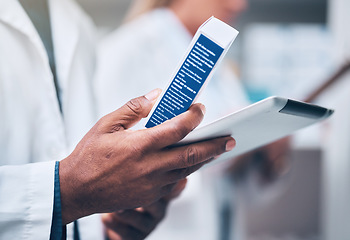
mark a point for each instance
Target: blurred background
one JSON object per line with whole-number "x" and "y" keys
{"x": 288, "y": 48}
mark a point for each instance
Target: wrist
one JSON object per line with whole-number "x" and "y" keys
{"x": 70, "y": 202}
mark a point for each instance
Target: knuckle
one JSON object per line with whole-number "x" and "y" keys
{"x": 135, "y": 106}
{"x": 192, "y": 156}
{"x": 136, "y": 152}
{"x": 153, "y": 139}
{"x": 142, "y": 147}
{"x": 105, "y": 124}
{"x": 117, "y": 127}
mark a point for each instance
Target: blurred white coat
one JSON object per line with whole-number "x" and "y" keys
{"x": 32, "y": 129}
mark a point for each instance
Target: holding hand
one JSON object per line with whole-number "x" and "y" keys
{"x": 138, "y": 223}
{"x": 113, "y": 168}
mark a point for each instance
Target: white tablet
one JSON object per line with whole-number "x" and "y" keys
{"x": 260, "y": 123}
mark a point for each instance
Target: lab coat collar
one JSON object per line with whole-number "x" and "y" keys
{"x": 65, "y": 33}
{"x": 12, "y": 14}
{"x": 65, "y": 36}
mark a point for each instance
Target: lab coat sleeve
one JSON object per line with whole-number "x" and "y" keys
{"x": 26, "y": 201}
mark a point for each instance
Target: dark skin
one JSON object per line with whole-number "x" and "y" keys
{"x": 136, "y": 224}
{"x": 113, "y": 168}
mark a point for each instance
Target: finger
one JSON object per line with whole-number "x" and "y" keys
{"x": 167, "y": 189}
{"x": 180, "y": 186}
{"x": 131, "y": 113}
{"x": 142, "y": 221}
{"x": 124, "y": 232}
{"x": 177, "y": 128}
{"x": 196, "y": 153}
{"x": 112, "y": 235}
{"x": 158, "y": 209}
{"x": 180, "y": 174}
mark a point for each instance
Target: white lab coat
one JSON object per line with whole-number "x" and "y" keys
{"x": 32, "y": 129}
{"x": 141, "y": 56}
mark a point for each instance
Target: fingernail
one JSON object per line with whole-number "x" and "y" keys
{"x": 203, "y": 109}
{"x": 230, "y": 145}
{"x": 152, "y": 95}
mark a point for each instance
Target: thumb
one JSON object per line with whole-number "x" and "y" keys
{"x": 132, "y": 112}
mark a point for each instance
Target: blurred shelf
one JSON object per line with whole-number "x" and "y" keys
{"x": 286, "y": 11}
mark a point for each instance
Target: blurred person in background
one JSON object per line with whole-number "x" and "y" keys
{"x": 145, "y": 51}
{"x": 141, "y": 55}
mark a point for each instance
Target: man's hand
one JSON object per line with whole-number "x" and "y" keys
{"x": 113, "y": 168}
{"x": 138, "y": 223}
